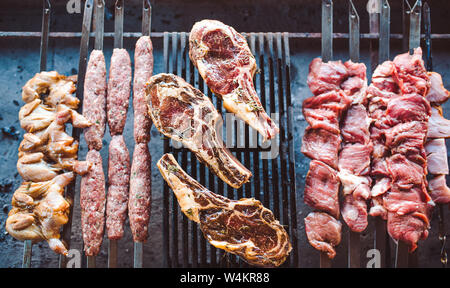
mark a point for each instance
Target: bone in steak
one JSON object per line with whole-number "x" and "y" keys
{"x": 242, "y": 227}
{"x": 185, "y": 114}
{"x": 401, "y": 112}
{"x": 227, "y": 65}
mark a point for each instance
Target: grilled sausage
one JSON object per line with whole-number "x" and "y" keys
{"x": 118, "y": 180}
{"x": 119, "y": 86}
{"x": 140, "y": 192}
{"x": 143, "y": 70}
{"x": 92, "y": 199}
{"x": 94, "y": 103}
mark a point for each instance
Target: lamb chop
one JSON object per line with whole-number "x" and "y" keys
{"x": 226, "y": 63}
{"x": 242, "y": 227}
{"x": 185, "y": 114}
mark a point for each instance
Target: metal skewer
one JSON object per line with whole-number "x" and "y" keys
{"x": 76, "y": 132}
{"x": 402, "y": 255}
{"x": 379, "y": 13}
{"x": 146, "y": 29}
{"x": 28, "y": 244}
{"x": 327, "y": 55}
{"x": 429, "y": 66}
{"x": 354, "y": 239}
{"x": 118, "y": 43}
{"x": 99, "y": 18}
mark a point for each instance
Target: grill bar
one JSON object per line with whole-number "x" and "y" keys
{"x": 277, "y": 193}
{"x": 46, "y": 10}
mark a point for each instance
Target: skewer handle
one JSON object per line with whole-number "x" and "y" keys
{"x": 112, "y": 253}
{"x": 146, "y": 18}
{"x": 327, "y": 30}
{"x": 138, "y": 255}
{"x": 99, "y": 23}
{"x": 118, "y": 24}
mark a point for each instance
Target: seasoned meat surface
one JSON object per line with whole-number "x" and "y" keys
{"x": 140, "y": 192}
{"x": 92, "y": 200}
{"x": 143, "y": 70}
{"x": 242, "y": 227}
{"x": 227, "y": 65}
{"x": 118, "y": 180}
{"x": 119, "y": 87}
{"x": 94, "y": 103}
{"x": 185, "y": 114}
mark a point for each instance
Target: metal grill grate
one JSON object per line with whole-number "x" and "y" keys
{"x": 273, "y": 181}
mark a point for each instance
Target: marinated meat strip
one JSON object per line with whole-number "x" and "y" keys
{"x": 322, "y": 188}
{"x": 140, "y": 192}
{"x": 227, "y": 65}
{"x": 401, "y": 112}
{"x": 322, "y": 142}
{"x": 185, "y": 114}
{"x": 143, "y": 70}
{"x": 118, "y": 181}
{"x": 242, "y": 227}
{"x": 323, "y": 232}
{"x": 92, "y": 200}
{"x": 436, "y": 150}
{"x": 119, "y": 87}
{"x": 94, "y": 103}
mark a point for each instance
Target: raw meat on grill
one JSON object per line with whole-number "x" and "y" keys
{"x": 118, "y": 181}
{"x": 143, "y": 70}
{"x": 401, "y": 112}
{"x": 92, "y": 201}
{"x": 436, "y": 150}
{"x": 39, "y": 207}
{"x": 118, "y": 94}
{"x": 438, "y": 126}
{"x": 140, "y": 192}
{"x": 227, "y": 65}
{"x": 94, "y": 103}
{"x": 322, "y": 188}
{"x": 185, "y": 114}
{"x": 323, "y": 232}
{"x": 140, "y": 178}
{"x": 242, "y": 227}
{"x": 338, "y": 137}
{"x": 39, "y": 211}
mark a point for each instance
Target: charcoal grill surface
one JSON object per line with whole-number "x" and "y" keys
{"x": 273, "y": 181}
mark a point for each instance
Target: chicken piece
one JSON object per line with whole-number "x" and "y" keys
{"x": 58, "y": 87}
{"x": 39, "y": 211}
{"x": 35, "y": 116}
{"x": 227, "y": 65}
{"x": 33, "y": 167}
{"x": 242, "y": 227}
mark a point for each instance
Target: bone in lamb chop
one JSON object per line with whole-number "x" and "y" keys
{"x": 185, "y": 114}
{"x": 242, "y": 227}
{"x": 226, "y": 63}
